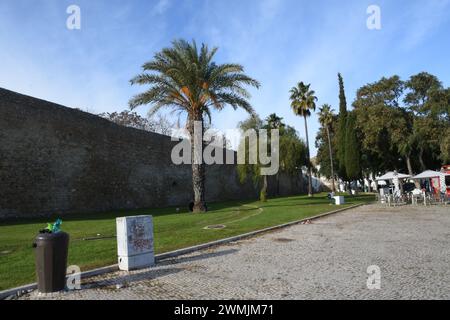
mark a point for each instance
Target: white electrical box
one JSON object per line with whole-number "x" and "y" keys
{"x": 339, "y": 200}
{"x": 135, "y": 242}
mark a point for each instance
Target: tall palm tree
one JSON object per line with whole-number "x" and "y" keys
{"x": 326, "y": 119}
{"x": 187, "y": 80}
{"x": 303, "y": 101}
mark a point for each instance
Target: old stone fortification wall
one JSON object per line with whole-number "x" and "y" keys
{"x": 55, "y": 159}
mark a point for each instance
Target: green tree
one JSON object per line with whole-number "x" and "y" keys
{"x": 187, "y": 80}
{"x": 428, "y": 133}
{"x": 274, "y": 121}
{"x": 430, "y": 104}
{"x": 341, "y": 130}
{"x": 303, "y": 101}
{"x": 326, "y": 120}
{"x": 378, "y": 123}
{"x": 412, "y": 133}
{"x": 438, "y": 105}
{"x": 352, "y": 155}
{"x": 402, "y": 125}
{"x": 445, "y": 147}
{"x": 323, "y": 154}
{"x": 421, "y": 86}
{"x": 252, "y": 170}
{"x": 292, "y": 151}
{"x": 402, "y": 135}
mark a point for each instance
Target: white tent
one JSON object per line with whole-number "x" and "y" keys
{"x": 395, "y": 177}
{"x": 430, "y": 174}
{"x": 391, "y": 175}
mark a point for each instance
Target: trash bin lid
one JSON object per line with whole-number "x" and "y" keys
{"x": 44, "y": 237}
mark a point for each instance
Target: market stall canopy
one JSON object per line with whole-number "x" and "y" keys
{"x": 392, "y": 175}
{"x": 430, "y": 174}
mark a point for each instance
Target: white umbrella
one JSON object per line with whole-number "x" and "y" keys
{"x": 391, "y": 175}
{"x": 395, "y": 177}
{"x": 430, "y": 174}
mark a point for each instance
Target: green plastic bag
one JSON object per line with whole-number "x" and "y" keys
{"x": 53, "y": 227}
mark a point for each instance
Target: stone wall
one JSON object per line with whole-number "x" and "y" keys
{"x": 55, "y": 159}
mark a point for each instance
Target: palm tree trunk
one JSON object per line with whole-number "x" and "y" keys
{"x": 333, "y": 186}
{"x": 310, "y": 193}
{"x": 198, "y": 167}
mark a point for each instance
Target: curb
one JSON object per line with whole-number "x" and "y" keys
{"x": 10, "y": 293}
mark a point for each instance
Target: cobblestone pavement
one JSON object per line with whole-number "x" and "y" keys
{"x": 326, "y": 259}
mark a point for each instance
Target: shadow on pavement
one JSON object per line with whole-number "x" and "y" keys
{"x": 197, "y": 257}
{"x": 123, "y": 279}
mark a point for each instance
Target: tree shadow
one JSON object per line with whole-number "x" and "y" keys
{"x": 197, "y": 257}
{"x": 153, "y": 273}
{"x": 113, "y": 214}
{"x": 124, "y": 280}
{"x": 172, "y": 210}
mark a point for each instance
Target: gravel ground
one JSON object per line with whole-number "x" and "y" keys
{"x": 327, "y": 259}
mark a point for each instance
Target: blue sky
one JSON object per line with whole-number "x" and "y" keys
{"x": 280, "y": 42}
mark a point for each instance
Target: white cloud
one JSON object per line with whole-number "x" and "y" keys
{"x": 161, "y": 7}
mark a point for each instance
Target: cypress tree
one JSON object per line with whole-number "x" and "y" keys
{"x": 341, "y": 130}
{"x": 352, "y": 155}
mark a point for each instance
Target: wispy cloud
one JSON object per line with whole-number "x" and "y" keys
{"x": 420, "y": 20}
{"x": 161, "y": 7}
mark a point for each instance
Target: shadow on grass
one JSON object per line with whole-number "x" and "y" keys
{"x": 103, "y": 215}
{"x": 290, "y": 201}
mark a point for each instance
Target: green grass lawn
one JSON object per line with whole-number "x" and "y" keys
{"x": 172, "y": 230}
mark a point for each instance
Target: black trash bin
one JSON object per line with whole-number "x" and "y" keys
{"x": 51, "y": 261}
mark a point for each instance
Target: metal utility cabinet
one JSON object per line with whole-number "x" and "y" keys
{"x": 135, "y": 242}
{"x": 339, "y": 200}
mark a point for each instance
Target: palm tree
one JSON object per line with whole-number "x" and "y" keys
{"x": 303, "y": 100}
{"x": 326, "y": 119}
{"x": 274, "y": 121}
{"x": 187, "y": 80}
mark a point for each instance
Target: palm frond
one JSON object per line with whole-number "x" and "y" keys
{"x": 185, "y": 78}
{"x": 303, "y": 99}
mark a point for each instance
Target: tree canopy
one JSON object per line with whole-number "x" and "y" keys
{"x": 293, "y": 154}
{"x": 398, "y": 125}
